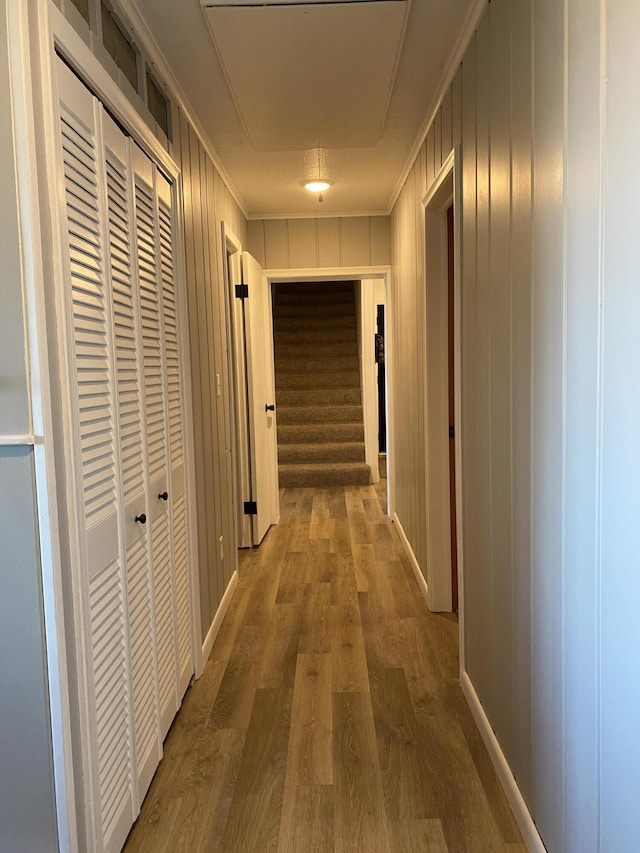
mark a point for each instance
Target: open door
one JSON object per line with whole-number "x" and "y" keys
{"x": 263, "y": 452}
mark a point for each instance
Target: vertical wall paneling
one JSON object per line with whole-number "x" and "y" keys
{"x": 482, "y": 366}
{"x": 379, "y": 237}
{"x": 500, "y": 366}
{"x": 620, "y": 454}
{"x": 583, "y": 264}
{"x": 329, "y": 253}
{"x": 446, "y": 129}
{"x": 276, "y": 235}
{"x": 431, "y": 155}
{"x": 547, "y": 509}
{"x": 456, "y": 108}
{"x": 354, "y": 238}
{"x": 471, "y": 495}
{"x": 437, "y": 141}
{"x": 303, "y": 243}
{"x": 255, "y": 229}
{"x": 209, "y": 238}
{"x": 521, "y": 356}
{"x": 199, "y": 364}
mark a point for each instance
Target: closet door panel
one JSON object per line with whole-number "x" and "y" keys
{"x": 166, "y": 234}
{"x": 150, "y": 289}
{"x": 130, "y": 398}
{"x": 101, "y": 583}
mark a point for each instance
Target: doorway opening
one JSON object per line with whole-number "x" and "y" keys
{"x": 442, "y": 415}
{"x": 370, "y": 290}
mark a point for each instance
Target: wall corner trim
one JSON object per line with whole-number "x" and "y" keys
{"x": 422, "y": 583}
{"x": 520, "y": 811}
{"x": 217, "y": 622}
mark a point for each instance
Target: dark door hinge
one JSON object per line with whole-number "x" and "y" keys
{"x": 242, "y": 291}
{"x": 250, "y": 508}
{"x": 452, "y": 432}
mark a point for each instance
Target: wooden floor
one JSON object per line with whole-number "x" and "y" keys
{"x": 329, "y": 716}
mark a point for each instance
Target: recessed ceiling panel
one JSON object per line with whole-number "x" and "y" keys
{"x": 316, "y": 74}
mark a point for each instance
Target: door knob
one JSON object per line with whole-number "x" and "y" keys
{"x": 142, "y": 518}
{"x": 164, "y": 496}
{"x": 270, "y": 408}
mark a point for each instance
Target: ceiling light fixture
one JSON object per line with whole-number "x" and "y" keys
{"x": 316, "y": 171}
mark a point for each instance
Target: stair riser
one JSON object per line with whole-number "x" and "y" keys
{"x": 329, "y": 313}
{"x": 318, "y": 414}
{"x": 321, "y": 433}
{"x": 339, "y": 364}
{"x": 313, "y": 336}
{"x": 318, "y": 477}
{"x": 289, "y": 381}
{"x": 306, "y": 349}
{"x": 319, "y": 397}
{"x": 297, "y": 454}
{"x": 313, "y": 324}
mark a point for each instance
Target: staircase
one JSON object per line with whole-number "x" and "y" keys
{"x": 320, "y": 426}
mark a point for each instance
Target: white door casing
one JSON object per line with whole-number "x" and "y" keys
{"x": 260, "y": 396}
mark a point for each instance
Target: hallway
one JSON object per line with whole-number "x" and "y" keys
{"x": 329, "y": 717}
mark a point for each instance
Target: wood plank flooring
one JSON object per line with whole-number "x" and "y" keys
{"x": 329, "y": 718}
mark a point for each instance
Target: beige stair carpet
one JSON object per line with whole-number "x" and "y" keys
{"x": 320, "y": 426}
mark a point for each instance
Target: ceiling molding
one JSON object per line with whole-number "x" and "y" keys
{"x": 470, "y": 26}
{"x": 131, "y": 11}
{"x": 348, "y": 215}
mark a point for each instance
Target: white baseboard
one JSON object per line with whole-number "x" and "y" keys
{"x": 507, "y": 780}
{"x": 422, "y": 583}
{"x": 217, "y": 619}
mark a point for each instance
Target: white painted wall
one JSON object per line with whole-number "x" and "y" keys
{"x": 546, "y": 107}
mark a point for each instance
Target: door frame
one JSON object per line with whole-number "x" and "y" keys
{"x": 309, "y": 275}
{"x": 445, "y": 190}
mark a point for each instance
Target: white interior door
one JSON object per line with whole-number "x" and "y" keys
{"x": 263, "y": 451}
{"x": 241, "y": 415}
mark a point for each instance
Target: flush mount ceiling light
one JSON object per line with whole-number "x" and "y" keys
{"x": 316, "y": 170}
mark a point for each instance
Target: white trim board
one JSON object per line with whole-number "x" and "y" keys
{"x": 422, "y": 582}
{"x": 505, "y": 776}
{"x": 221, "y": 612}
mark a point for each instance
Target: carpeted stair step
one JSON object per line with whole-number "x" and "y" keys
{"x": 321, "y": 433}
{"x": 320, "y": 427}
{"x": 339, "y": 364}
{"x": 298, "y": 336}
{"x": 313, "y": 324}
{"x": 324, "y": 475}
{"x": 319, "y": 396}
{"x": 319, "y": 310}
{"x": 297, "y": 454}
{"x": 306, "y": 348}
{"x": 318, "y": 414}
{"x": 342, "y": 379}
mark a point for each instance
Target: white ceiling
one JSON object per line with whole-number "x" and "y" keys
{"x": 277, "y": 78}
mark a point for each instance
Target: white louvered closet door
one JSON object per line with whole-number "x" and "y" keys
{"x": 170, "y": 314}
{"x": 108, "y": 780}
{"x": 149, "y": 266}
{"x": 131, "y": 558}
{"x": 130, "y": 398}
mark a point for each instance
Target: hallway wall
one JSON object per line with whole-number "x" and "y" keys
{"x": 27, "y": 798}
{"x": 348, "y": 241}
{"x": 550, "y": 312}
{"x": 208, "y": 203}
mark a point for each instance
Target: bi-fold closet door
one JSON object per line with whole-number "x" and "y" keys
{"x": 130, "y": 553}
